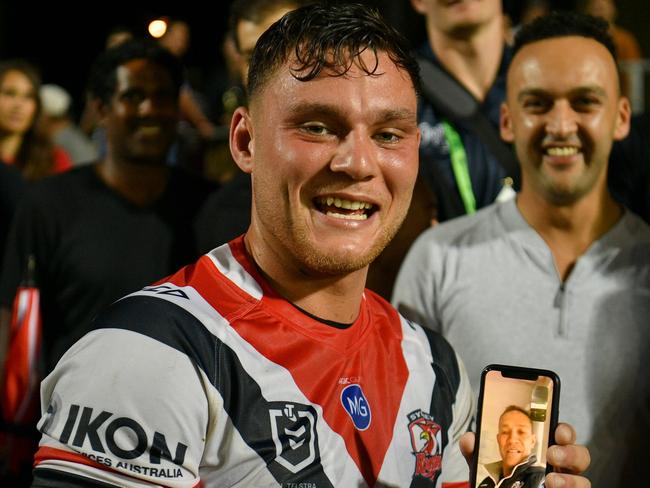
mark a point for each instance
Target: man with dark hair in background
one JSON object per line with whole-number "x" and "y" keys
{"x": 560, "y": 275}
{"x": 86, "y": 237}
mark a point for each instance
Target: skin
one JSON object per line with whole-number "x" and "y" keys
{"x": 563, "y": 95}
{"x": 140, "y": 122}
{"x": 17, "y": 103}
{"x": 141, "y": 118}
{"x": 467, "y": 37}
{"x": 515, "y": 438}
{"x": 177, "y": 38}
{"x": 456, "y": 17}
{"x": 248, "y": 32}
{"x": 565, "y": 456}
{"x": 338, "y": 137}
{"x": 563, "y": 110}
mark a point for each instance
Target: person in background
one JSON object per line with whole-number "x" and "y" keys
{"x": 189, "y": 151}
{"x": 89, "y": 120}
{"x": 559, "y": 277}
{"x": 227, "y": 212}
{"x": 57, "y": 122}
{"x": 27, "y": 154}
{"x": 466, "y": 40}
{"x": 629, "y": 168}
{"x": 23, "y": 143}
{"x": 627, "y": 45}
{"x": 117, "y": 35}
{"x": 98, "y": 231}
{"x": 265, "y": 363}
{"x": 225, "y": 94}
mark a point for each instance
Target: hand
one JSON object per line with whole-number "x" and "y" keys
{"x": 466, "y": 444}
{"x": 568, "y": 459}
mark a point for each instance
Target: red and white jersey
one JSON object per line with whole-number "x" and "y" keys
{"x": 211, "y": 379}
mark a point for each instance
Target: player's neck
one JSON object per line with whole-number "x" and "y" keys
{"x": 473, "y": 60}
{"x": 569, "y": 230}
{"x": 333, "y": 298}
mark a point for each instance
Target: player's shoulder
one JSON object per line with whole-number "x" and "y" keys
{"x": 436, "y": 349}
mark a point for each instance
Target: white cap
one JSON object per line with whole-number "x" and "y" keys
{"x": 55, "y": 100}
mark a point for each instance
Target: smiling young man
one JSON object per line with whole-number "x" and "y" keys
{"x": 559, "y": 277}
{"x": 266, "y": 363}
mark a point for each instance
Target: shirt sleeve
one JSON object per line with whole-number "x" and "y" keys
{"x": 122, "y": 409}
{"x": 455, "y": 472}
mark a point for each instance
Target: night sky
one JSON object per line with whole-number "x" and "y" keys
{"x": 63, "y": 47}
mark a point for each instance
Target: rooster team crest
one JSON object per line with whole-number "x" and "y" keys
{"x": 426, "y": 443}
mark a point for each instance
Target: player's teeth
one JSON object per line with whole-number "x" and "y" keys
{"x": 347, "y": 204}
{"x": 347, "y": 216}
{"x": 562, "y": 151}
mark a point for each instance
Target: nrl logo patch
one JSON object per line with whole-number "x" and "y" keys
{"x": 293, "y": 428}
{"x": 426, "y": 443}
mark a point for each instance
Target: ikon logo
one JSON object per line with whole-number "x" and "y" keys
{"x": 354, "y": 402}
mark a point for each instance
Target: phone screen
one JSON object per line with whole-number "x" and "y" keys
{"x": 517, "y": 414}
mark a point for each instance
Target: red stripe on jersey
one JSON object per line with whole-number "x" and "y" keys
{"x": 368, "y": 353}
{"x": 52, "y": 453}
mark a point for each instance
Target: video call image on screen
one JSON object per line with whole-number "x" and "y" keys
{"x": 515, "y": 426}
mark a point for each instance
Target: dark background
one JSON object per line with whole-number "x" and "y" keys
{"x": 62, "y": 38}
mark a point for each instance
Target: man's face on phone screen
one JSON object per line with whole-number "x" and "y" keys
{"x": 515, "y": 439}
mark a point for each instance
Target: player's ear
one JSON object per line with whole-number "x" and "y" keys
{"x": 622, "y": 119}
{"x": 241, "y": 139}
{"x": 505, "y": 124}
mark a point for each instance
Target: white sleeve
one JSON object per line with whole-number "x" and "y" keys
{"x": 455, "y": 468}
{"x": 125, "y": 409}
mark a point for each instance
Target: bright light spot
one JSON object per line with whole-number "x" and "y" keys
{"x": 157, "y": 28}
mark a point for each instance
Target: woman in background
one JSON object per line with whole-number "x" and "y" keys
{"x": 22, "y": 144}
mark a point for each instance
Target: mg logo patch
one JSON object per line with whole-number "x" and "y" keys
{"x": 354, "y": 402}
{"x": 426, "y": 443}
{"x": 293, "y": 428}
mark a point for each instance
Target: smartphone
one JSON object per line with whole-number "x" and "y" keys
{"x": 516, "y": 420}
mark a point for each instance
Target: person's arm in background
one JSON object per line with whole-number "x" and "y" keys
{"x": 191, "y": 110}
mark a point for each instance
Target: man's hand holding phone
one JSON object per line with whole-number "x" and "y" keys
{"x": 519, "y": 441}
{"x": 567, "y": 458}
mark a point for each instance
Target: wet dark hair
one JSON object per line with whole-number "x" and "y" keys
{"x": 102, "y": 81}
{"x": 328, "y": 37}
{"x": 563, "y": 24}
